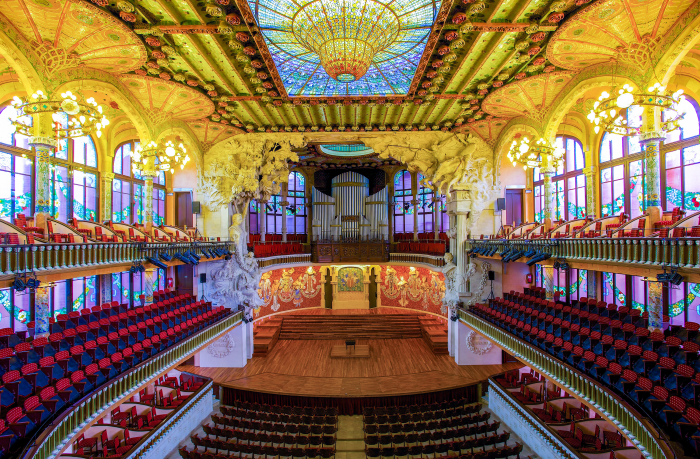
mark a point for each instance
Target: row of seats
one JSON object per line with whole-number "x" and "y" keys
{"x": 43, "y": 376}
{"x": 427, "y": 248}
{"x": 250, "y": 410}
{"x": 399, "y": 237}
{"x": 320, "y": 426}
{"x": 467, "y": 406}
{"x": 654, "y": 371}
{"x": 264, "y": 250}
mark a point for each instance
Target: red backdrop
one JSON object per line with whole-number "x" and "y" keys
{"x": 289, "y": 288}
{"x": 413, "y": 288}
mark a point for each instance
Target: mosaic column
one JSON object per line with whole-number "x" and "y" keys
{"x": 148, "y": 205}
{"x": 43, "y": 146}
{"x": 592, "y": 284}
{"x": 42, "y": 312}
{"x": 106, "y": 288}
{"x": 106, "y": 196}
{"x": 548, "y": 274}
{"x": 655, "y": 307}
{"x": 591, "y": 187}
{"x": 650, "y": 140}
{"x": 414, "y": 202}
{"x": 391, "y": 210}
{"x": 548, "y": 197}
{"x": 284, "y": 205}
{"x": 263, "y": 219}
{"x": 150, "y": 280}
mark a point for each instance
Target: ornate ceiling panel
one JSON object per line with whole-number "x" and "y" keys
{"x": 69, "y": 33}
{"x": 7, "y": 73}
{"x": 163, "y": 100}
{"x": 345, "y": 47}
{"x": 624, "y": 29}
{"x": 529, "y": 97}
{"x": 489, "y": 129}
{"x": 210, "y": 133}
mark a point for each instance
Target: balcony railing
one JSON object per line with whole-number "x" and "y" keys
{"x": 649, "y": 251}
{"x": 41, "y": 258}
{"x": 284, "y": 260}
{"x": 432, "y": 260}
{"x": 630, "y": 422}
{"x": 54, "y": 437}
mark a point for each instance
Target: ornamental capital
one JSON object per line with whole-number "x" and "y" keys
{"x": 590, "y": 170}
{"x": 648, "y": 136}
{"x": 548, "y": 170}
{"x": 107, "y": 175}
{"x": 284, "y": 203}
{"x": 42, "y": 141}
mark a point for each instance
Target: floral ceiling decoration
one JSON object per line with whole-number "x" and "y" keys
{"x": 346, "y": 47}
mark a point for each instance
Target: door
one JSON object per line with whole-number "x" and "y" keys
{"x": 328, "y": 290}
{"x": 183, "y": 279}
{"x": 183, "y": 209}
{"x": 514, "y": 208}
{"x": 372, "y": 290}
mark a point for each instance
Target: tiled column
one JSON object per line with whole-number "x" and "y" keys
{"x": 592, "y": 284}
{"x": 650, "y": 141}
{"x": 655, "y": 306}
{"x": 150, "y": 280}
{"x": 548, "y": 273}
{"x": 263, "y": 219}
{"x": 42, "y": 312}
{"x": 148, "y": 205}
{"x": 106, "y": 179}
{"x": 106, "y": 288}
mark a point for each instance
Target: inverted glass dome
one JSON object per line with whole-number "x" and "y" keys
{"x": 346, "y": 150}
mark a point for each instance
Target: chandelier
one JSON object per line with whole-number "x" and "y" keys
{"x": 346, "y": 34}
{"x": 532, "y": 155}
{"x": 608, "y": 109}
{"x": 154, "y": 157}
{"x": 72, "y": 117}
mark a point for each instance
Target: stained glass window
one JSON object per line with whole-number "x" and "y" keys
{"x": 683, "y": 165}
{"x": 296, "y": 196}
{"x": 403, "y": 208}
{"x": 294, "y": 31}
{"x": 8, "y": 135}
{"x": 84, "y": 195}
{"x": 615, "y": 289}
{"x": 121, "y": 287}
{"x": 60, "y": 193}
{"x": 129, "y": 205}
{"x": 425, "y": 208}
{"x": 85, "y": 293}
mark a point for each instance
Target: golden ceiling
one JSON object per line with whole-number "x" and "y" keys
{"x": 206, "y": 63}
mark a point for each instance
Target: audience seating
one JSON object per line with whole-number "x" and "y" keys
{"x": 658, "y": 372}
{"x": 264, "y": 250}
{"x": 428, "y": 248}
{"x": 40, "y": 377}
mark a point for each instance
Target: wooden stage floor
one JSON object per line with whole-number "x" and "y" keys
{"x": 395, "y": 367}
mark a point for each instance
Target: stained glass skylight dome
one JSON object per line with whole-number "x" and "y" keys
{"x": 345, "y": 47}
{"x": 346, "y": 150}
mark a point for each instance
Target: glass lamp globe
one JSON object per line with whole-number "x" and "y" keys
{"x": 170, "y": 151}
{"x": 624, "y": 100}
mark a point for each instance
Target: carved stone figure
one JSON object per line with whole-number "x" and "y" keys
{"x": 452, "y": 280}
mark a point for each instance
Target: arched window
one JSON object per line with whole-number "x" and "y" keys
{"x": 425, "y": 207}
{"x": 8, "y": 136}
{"x": 622, "y": 170}
{"x": 129, "y": 189}
{"x": 403, "y": 209}
{"x": 568, "y": 184}
{"x": 296, "y": 210}
{"x": 16, "y": 170}
{"x": 682, "y": 164}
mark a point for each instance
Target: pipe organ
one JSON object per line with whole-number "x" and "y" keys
{"x": 350, "y": 213}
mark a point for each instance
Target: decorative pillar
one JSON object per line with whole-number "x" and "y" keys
{"x": 44, "y": 143}
{"x": 414, "y": 202}
{"x": 655, "y": 306}
{"x": 150, "y": 280}
{"x": 391, "y": 210}
{"x": 548, "y": 197}
{"x": 284, "y": 193}
{"x": 309, "y": 206}
{"x": 42, "y": 312}
{"x": 105, "y": 196}
{"x": 105, "y": 288}
{"x": 592, "y": 284}
{"x": 548, "y": 274}
{"x": 650, "y": 140}
{"x": 148, "y": 205}
{"x": 436, "y": 214}
{"x": 263, "y": 218}
{"x": 591, "y": 173}
{"x": 459, "y": 207}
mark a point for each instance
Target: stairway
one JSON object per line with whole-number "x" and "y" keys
{"x": 371, "y": 326}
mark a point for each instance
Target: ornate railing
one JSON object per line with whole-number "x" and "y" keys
{"x": 649, "y": 251}
{"x": 630, "y": 422}
{"x": 55, "y": 436}
{"x": 284, "y": 260}
{"x": 432, "y": 260}
{"x": 41, "y": 258}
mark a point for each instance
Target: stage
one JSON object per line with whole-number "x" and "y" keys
{"x": 394, "y": 367}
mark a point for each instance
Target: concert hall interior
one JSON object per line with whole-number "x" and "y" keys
{"x": 352, "y": 229}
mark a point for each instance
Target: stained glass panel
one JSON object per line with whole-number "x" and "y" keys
{"x": 296, "y": 32}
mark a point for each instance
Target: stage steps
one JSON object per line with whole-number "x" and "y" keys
{"x": 434, "y": 332}
{"x": 336, "y": 326}
{"x": 265, "y": 335}
{"x": 350, "y": 439}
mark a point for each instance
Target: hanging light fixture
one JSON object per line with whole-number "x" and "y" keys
{"x": 607, "y": 112}
{"x": 532, "y": 154}
{"x": 155, "y": 157}
{"x": 73, "y": 117}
